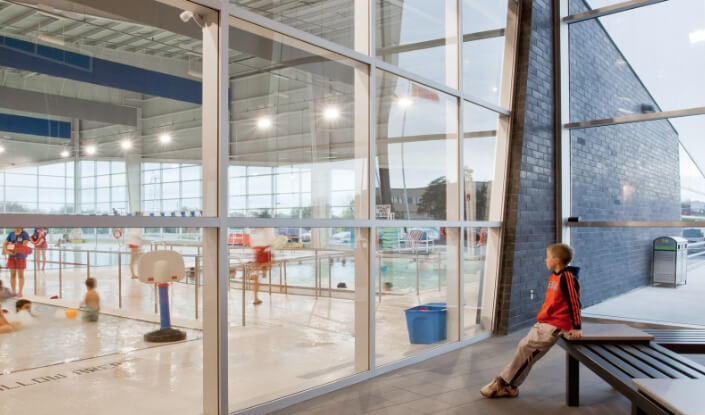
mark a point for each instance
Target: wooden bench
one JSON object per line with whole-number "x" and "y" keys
{"x": 680, "y": 341}
{"x": 620, "y": 359}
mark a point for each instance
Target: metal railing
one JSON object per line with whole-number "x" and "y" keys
{"x": 241, "y": 263}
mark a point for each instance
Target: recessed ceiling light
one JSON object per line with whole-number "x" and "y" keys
{"x": 405, "y": 102}
{"x": 126, "y": 144}
{"x": 697, "y": 36}
{"x": 2, "y": 149}
{"x": 91, "y": 149}
{"x": 165, "y": 138}
{"x": 65, "y": 153}
{"x": 331, "y": 113}
{"x": 264, "y": 123}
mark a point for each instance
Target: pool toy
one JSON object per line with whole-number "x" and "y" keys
{"x": 161, "y": 268}
{"x": 71, "y": 313}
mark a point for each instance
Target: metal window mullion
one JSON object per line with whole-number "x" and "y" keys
{"x": 371, "y": 186}
{"x": 565, "y": 208}
{"x": 257, "y": 19}
{"x": 607, "y": 10}
{"x": 651, "y": 116}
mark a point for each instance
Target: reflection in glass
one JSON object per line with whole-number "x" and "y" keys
{"x": 475, "y": 288}
{"x": 480, "y": 140}
{"x": 330, "y": 19}
{"x": 658, "y": 185}
{"x": 296, "y": 294}
{"x": 484, "y": 23}
{"x": 299, "y": 133}
{"x": 419, "y": 36}
{"x": 93, "y": 94}
{"x": 631, "y": 63}
{"x": 416, "y": 150}
{"x": 417, "y": 270}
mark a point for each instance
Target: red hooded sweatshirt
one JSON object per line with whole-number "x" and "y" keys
{"x": 562, "y": 305}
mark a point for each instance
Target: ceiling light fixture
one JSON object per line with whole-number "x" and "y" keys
{"x": 697, "y": 36}
{"x": 264, "y": 123}
{"x": 405, "y": 102}
{"x": 2, "y": 149}
{"x": 126, "y": 144}
{"x": 165, "y": 138}
{"x": 65, "y": 153}
{"x": 91, "y": 149}
{"x": 331, "y": 113}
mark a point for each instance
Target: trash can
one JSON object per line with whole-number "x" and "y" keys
{"x": 426, "y": 323}
{"x": 669, "y": 261}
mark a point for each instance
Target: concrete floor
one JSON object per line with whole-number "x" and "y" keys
{"x": 660, "y": 304}
{"x": 450, "y": 384}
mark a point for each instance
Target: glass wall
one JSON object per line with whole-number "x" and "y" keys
{"x": 299, "y": 129}
{"x": 100, "y": 95}
{"x": 634, "y": 133}
{"x": 312, "y": 186}
{"x": 416, "y": 289}
{"x": 417, "y": 151}
{"x": 484, "y": 27}
{"x": 419, "y": 36}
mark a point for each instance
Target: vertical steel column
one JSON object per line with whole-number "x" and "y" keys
{"x": 196, "y": 282}
{"x": 119, "y": 280}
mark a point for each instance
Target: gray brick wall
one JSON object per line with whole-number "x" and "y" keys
{"x": 626, "y": 172}
{"x": 529, "y": 223}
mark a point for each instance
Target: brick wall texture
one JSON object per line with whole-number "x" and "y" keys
{"x": 619, "y": 173}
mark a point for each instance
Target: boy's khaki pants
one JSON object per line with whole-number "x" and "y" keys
{"x": 531, "y": 348}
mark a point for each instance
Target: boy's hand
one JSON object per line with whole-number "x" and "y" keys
{"x": 575, "y": 334}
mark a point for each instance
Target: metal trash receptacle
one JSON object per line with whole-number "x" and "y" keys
{"x": 669, "y": 260}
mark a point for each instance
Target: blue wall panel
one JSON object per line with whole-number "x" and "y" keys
{"x": 35, "y": 126}
{"x": 28, "y": 56}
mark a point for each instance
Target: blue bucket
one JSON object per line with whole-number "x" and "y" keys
{"x": 426, "y": 323}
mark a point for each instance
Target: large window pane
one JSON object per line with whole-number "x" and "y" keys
{"x": 298, "y": 111}
{"x": 333, "y": 20}
{"x": 417, "y": 130}
{"x": 102, "y": 88}
{"x": 484, "y": 24}
{"x": 610, "y": 184}
{"x": 477, "y": 293}
{"x": 419, "y": 36}
{"x": 480, "y": 141}
{"x": 62, "y": 348}
{"x": 305, "y": 300}
{"x": 417, "y": 290}
{"x": 631, "y": 63}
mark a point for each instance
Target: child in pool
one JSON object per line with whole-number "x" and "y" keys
{"x": 6, "y": 326}
{"x": 23, "y": 312}
{"x": 91, "y": 303}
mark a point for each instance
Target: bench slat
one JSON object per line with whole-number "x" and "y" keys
{"x": 700, "y": 369}
{"x": 637, "y": 363}
{"x": 626, "y": 368}
{"x": 615, "y": 374}
{"x": 669, "y": 360}
{"x": 669, "y": 371}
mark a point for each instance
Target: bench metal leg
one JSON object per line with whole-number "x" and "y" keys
{"x": 636, "y": 410}
{"x": 572, "y": 378}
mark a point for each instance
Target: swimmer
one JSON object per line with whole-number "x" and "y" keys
{"x": 91, "y": 303}
{"x": 23, "y": 313}
{"x": 6, "y": 326}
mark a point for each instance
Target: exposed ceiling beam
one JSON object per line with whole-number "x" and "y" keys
{"x": 57, "y": 105}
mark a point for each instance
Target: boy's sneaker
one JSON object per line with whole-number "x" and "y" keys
{"x": 498, "y": 388}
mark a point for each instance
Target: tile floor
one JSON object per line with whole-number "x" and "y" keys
{"x": 449, "y": 385}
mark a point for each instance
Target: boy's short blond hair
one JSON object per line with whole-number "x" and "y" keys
{"x": 561, "y": 251}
